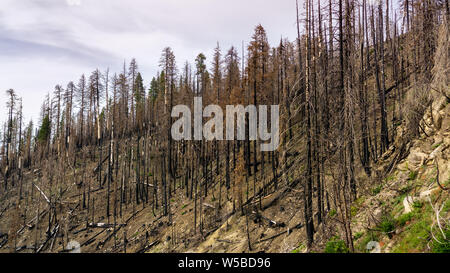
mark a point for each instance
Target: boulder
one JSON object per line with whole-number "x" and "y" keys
{"x": 425, "y": 194}
{"x": 416, "y": 159}
{"x": 407, "y": 203}
{"x": 437, "y": 119}
{"x": 438, "y": 140}
{"x": 403, "y": 166}
{"x": 429, "y": 131}
{"x": 439, "y": 104}
{"x": 436, "y": 152}
{"x": 444, "y": 170}
{"x": 446, "y": 139}
{"x": 434, "y": 117}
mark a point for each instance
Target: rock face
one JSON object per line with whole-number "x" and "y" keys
{"x": 437, "y": 113}
{"x": 416, "y": 159}
{"x": 436, "y": 152}
{"x": 437, "y": 118}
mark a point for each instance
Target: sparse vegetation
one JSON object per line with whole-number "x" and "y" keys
{"x": 358, "y": 235}
{"x": 377, "y": 189}
{"x": 404, "y": 219}
{"x": 416, "y": 235}
{"x": 417, "y": 204}
{"x": 435, "y": 146}
{"x": 332, "y": 213}
{"x": 442, "y": 243}
{"x": 299, "y": 249}
{"x": 413, "y": 175}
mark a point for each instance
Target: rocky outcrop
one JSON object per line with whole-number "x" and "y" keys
{"x": 409, "y": 171}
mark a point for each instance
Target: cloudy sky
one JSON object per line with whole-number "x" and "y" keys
{"x": 49, "y": 42}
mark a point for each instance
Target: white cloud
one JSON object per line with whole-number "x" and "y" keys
{"x": 50, "y": 42}
{"x": 73, "y": 2}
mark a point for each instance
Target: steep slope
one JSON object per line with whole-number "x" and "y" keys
{"x": 396, "y": 209}
{"x": 408, "y": 210}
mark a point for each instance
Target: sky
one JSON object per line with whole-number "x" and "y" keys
{"x": 48, "y": 42}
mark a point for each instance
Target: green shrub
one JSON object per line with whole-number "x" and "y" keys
{"x": 354, "y": 211}
{"x": 417, "y": 205}
{"x": 358, "y": 235}
{"x": 390, "y": 178}
{"x": 387, "y": 224}
{"x": 412, "y": 175}
{"x": 299, "y": 249}
{"x": 336, "y": 245}
{"x": 404, "y": 190}
{"x": 435, "y": 146}
{"x": 416, "y": 235}
{"x": 402, "y": 220}
{"x": 332, "y": 213}
{"x": 376, "y": 190}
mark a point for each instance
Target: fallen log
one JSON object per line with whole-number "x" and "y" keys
{"x": 92, "y": 191}
{"x": 20, "y": 248}
{"x": 209, "y": 206}
{"x": 30, "y": 223}
{"x": 282, "y": 194}
{"x": 3, "y": 211}
{"x": 95, "y": 171}
{"x": 4, "y": 241}
{"x": 54, "y": 238}
{"x": 146, "y": 248}
{"x": 53, "y": 233}
{"x": 73, "y": 227}
{"x": 43, "y": 194}
{"x": 272, "y": 223}
{"x": 92, "y": 239}
{"x": 224, "y": 241}
{"x": 102, "y": 225}
{"x": 29, "y": 226}
{"x": 279, "y": 234}
{"x": 204, "y": 236}
{"x": 102, "y": 243}
{"x": 78, "y": 231}
{"x": 262, "y": 190}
